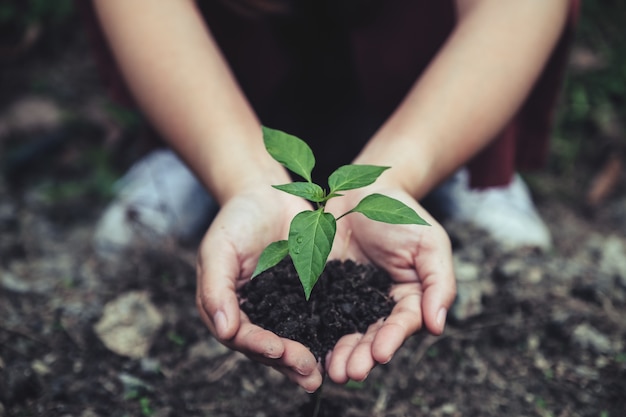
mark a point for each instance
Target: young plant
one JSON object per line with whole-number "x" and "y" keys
{"x": 312, "y": 232}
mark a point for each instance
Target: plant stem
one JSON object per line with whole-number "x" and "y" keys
{"x": 317, "y": 398}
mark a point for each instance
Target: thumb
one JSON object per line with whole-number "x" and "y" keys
{"x": 439, "y": 294}
{"x": 216, "y": 296}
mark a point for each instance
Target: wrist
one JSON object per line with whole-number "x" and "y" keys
{"x": 259, "y": 180}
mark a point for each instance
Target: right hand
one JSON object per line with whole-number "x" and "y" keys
{"x": 228, "y": 254}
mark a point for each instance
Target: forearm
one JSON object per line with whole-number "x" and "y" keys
{"x": 469, "y": 92}
{"x": 182, "y": 83}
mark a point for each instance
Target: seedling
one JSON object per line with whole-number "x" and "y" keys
{"x": 312, "y": 232}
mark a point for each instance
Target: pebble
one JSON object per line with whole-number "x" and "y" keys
{"x": 39, "y": 277}
{"x": 613, "y": 259}
{"x": 587, "y": 337}
{"x": 129, "y": 324}
{"x": 207, "y": 349}
{"x": 29, "y": 114}
{"x": 468, "y": 301}
{"x": 10, "y": 282}
{"x": 150, "y": 366}
{"x": 40, "y": 368}
{"x": 131, "y": 383}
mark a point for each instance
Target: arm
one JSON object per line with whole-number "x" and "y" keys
{"x": 469, "y": 92}
{"x": 182, "y": 83}
{"x": 466, "y": 96}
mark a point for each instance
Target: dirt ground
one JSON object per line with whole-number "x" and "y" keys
{"x": 533, "y": 334}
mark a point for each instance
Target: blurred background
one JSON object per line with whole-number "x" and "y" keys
{"x": 60, "y": 133}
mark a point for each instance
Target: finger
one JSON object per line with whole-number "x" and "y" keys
{"x": 438, "y": 285}
{"x": 337, "y": 366}
{"x": 297, "y": 363}
{"x": 361, "y": 361}
{"x": 216, "y": 273}
{"x": 249, "y": 338}
{"x": 404, "y": 320}
{"x": 255, "y": 340}
{"x": 297, "y": 357}
{"x": 310, "y": 383}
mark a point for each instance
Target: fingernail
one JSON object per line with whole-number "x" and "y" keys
{"x": 221, "y": 323}
{"x": 302, "y": 372}
{"x": 270, "y": 353}
{"x": 329, "y": 357}
{"x": 441, "y": 317}
{"x": 386, "y": 361}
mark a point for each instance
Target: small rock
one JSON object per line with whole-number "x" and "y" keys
{"x": 510, "y": 269}
{"x": 206, "y": 349}
{"x": 613, "y": 260}
{"x": 448, "y": 409}
{"x": 40, "y": 276}
{"x": 40, "y": 368}
{"x": 150, "y": 366}
{"x": 533, "y": 275}
{"x": 533, "y": 342}
{"x": 129, "y": 324}
{"x": 468, "y": 301}
{"x": 10, "y": 282}
{"x": 588, "y": 337}
{"x": 133, "y": 384}
{"x": 89, "y": 413}
{"x": 31, "y": 114}
{"x": 587, "y": 372}
{"x": 466, "y": 271}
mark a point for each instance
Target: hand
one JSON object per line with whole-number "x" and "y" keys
{"x": 419, "y": 260}
{"x": 226, "y": 259}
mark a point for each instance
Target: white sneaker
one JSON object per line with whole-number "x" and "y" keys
{"x": 158, "y": 199}
{"x": 507, "y": 213}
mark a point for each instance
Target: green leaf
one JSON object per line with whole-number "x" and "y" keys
{"x": 349, "y": 177}
{"x": 308, "y": 190}
{"x": 311, "y": 236}
{"x": 293, "y": 153}
{"x": 271, "y": 256}
{"x": 388, "y": 210}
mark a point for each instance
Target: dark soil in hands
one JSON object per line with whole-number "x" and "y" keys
{"x": 347, "y": 298}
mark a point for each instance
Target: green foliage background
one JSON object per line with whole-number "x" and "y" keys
{"x": 593, "y": 99}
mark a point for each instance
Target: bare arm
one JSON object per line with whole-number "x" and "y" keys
{"x": 469, "y": 92}
{"x": 181, "y": 81}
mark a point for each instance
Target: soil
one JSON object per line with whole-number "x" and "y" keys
{"x": 543, "y": 333}
{"x": 346, "y": 299}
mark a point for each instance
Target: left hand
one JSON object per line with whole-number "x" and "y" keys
{"x": 419, "y": 260}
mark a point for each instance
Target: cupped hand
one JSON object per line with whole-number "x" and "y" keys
{"x": 419, "y": 260}
{"x": 244, "y": 226}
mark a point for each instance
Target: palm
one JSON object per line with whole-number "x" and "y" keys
{"x": 226, "y": 260}
{"x": 418, "y": 258}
